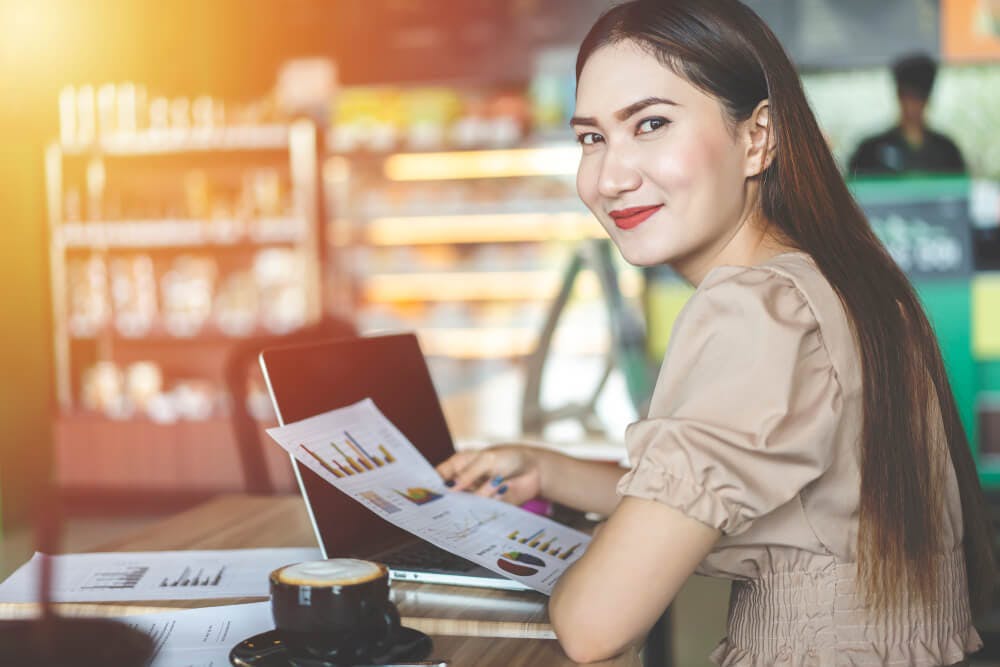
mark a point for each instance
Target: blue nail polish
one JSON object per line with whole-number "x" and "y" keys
{"x": 497, "y": 481}
{"x": 450, "y": 483}
{"x": 502, "y": 490}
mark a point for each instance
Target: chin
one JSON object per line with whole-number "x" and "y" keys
{"x": 644, "y": 256}
{"x": 644, "y": 260}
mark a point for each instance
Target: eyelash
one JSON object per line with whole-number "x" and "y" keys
{"x": 582, "y": 138}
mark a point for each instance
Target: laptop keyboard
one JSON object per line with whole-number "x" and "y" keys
{"x": 424, "y": 556}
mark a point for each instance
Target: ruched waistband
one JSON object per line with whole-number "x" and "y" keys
{"x": 818, "y": 617}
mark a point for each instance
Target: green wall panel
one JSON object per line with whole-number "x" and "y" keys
{"x": 948, "y": 305}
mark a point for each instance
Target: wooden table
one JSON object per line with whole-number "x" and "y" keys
{"x": 469, "y": 626}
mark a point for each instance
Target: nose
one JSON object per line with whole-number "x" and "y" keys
{"x": 618, "y": 173}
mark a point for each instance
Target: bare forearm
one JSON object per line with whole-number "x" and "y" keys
{"x": 630, "y": 572}
{"x": 588, "y": 486}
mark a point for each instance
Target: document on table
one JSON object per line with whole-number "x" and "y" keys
{"x": 201, "y": 637}
{"x": 359, "y": 451}
{"x": 154, "y": 575}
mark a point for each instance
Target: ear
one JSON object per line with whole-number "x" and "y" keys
{"x": 760, "y": 140}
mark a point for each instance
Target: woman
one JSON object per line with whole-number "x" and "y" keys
{"x": 802, "y": 438}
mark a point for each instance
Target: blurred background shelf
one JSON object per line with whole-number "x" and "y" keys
{"x": 161, "y": 266}
{"x": 560, "y": 224}
{"x": 181, "y": 233}
{"x": 557, "y": 160}
{"x": 540, "y": 285}
{"x": 142, "y": 143}
{"x": 207, "y": 335}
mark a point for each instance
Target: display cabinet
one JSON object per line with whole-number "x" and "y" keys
{"x": 169, "y": 244}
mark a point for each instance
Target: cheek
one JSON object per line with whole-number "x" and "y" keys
{"x": 680, "y": 165}
{"x": 709, "y": 166}
{"x": 706, "y": 155}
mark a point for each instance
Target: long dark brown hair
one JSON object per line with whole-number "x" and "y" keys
{"x": 723, "y": 48}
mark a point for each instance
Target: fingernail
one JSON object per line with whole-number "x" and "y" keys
{"x": 502, "y": 490}
{"x": 497, "y": 481}
{"x": 450, "y": 483}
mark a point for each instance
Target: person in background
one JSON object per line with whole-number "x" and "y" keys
{"x": 910, "y": 145}
{"x": 802, "y": 439}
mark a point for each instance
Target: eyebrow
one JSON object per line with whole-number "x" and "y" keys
{"x": 624, "y": 113}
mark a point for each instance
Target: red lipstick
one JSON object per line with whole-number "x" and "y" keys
{"x": 627, "y": 218}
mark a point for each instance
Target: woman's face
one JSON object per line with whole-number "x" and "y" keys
{"x": 660, "y": 167}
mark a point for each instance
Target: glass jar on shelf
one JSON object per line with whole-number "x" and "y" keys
{"x": 187, "y": 295}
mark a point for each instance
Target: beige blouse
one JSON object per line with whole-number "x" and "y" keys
{"x": 753, "y": 429}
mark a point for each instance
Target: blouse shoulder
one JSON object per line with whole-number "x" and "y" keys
{"x": 783, "y": 279}
{"x": 746, "y": 395}
{"x": 742, "y": 306}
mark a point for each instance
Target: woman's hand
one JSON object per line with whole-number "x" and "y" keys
{"x": 517, "y": 473}
{"x": 511, "y": 473}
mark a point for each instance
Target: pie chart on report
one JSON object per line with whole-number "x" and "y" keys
{"x": 520, "y": 564}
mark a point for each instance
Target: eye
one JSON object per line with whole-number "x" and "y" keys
{"x": 589, "y": 138}
{"x": 648, "y": 125}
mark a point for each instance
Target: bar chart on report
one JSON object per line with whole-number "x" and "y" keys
{"x": 360, "y": 451}
{"x": 124, "y": 577}
{"x": 540, "y": 542}
{"x": 349, "y": 457}
{"x": 190, "y": 577}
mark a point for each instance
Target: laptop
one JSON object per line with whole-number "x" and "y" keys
{"x": 306, "y": 380}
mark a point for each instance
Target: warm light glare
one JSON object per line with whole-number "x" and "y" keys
{"x": 28, "y": 31}
{"x": 336, "y": 169}
{"x": 67, "y": 115}
{"x": 22, "y": 16}
{"x": 550, "y": 161}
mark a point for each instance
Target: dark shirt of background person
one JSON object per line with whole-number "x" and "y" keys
{"x": 910, "y": 145}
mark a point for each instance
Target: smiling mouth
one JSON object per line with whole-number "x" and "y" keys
{"x": 627, "y": 218}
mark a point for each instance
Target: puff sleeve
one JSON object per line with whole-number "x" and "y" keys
{"x": 745, "y": 408}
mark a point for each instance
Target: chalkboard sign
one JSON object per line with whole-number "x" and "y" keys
{"x": 923, "y": 222}
{"x": 928, "y": 239}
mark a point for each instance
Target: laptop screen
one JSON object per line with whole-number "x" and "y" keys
{"x": 306, "y": 380}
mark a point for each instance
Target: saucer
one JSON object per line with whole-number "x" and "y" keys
{"x": 268, "y": 650}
